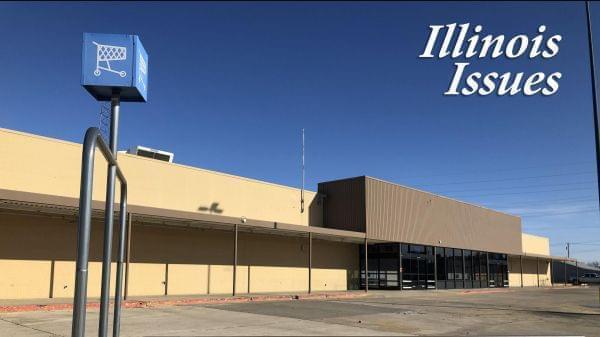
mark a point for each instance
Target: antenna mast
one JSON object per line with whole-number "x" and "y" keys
{"x": 302, "y": 190}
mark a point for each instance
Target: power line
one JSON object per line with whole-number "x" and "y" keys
{"x": 546, "y": 226}
{"x": 549, "y": 211}
{"x": 559, "y": 213}
{"x": 557, "y": 227}
{"x": 545, "y": 210}
{"x": 586, "y": 251}
{"x": 547, "y": 201}
{"x": 464, "y": 172}
{"x": 585, "y": 242}
{"x": 574, "y": 243}
{"x": 526, "y": 192}
{"x": 509, "y": 179}
{"x": 518, "y": 187}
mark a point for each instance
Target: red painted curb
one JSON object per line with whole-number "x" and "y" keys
{"x": 490, "y": 291}
{"x": 191, "y": 301}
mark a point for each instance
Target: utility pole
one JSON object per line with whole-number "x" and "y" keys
{"x": 568, "y": 250}
{"x": 594, "y": 99}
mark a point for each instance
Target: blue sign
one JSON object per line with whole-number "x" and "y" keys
{"x": 115, "y": 63}
{"x": 140, "y": 74}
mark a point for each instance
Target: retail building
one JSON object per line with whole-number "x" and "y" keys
{"x": 184, "y": 222}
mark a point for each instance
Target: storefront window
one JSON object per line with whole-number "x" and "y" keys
{"x": 476, "y": 273}
{"x": 468, "y": 268}
{"x": 440, "y": 257}
{"x": 406, "y": 266}
{"x": 483, "y": 269}
{"x": 449, "y": 268}
{"x": 458, "y": 268}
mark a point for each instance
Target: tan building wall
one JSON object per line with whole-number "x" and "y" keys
{"x": 185, "y": 261}
{"x": 533, "y": 244}
{"x": 50, "y": 166}
{"x": 530, "y": 272}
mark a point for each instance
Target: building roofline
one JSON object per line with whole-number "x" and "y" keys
{"x": 342, "y": 179}
{"x": 419, "y": 190}
{"x": 442, "y": 196}
{"x": 189, "y": 167}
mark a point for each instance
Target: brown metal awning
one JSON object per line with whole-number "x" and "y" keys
{"x": 58, "y": 205}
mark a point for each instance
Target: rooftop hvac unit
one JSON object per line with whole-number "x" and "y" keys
{"x": 147, "y": 152}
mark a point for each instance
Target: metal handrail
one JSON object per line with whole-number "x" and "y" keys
{"x": 93, "y": 140}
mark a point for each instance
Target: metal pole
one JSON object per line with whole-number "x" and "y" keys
{"x": 309, "y": 262}
{"x": 577, "y": 272}
{"x": 463, "y": 268}
{"x": 92, "y": 139}
{"x": 418, "y": 272}
{"x": 565, "y": 263}
{"x": 166, "y": 283}
{"x": 551, "y": 273}
{"x": 128, "y": 256}
{"x": 366, "y": 266}
{"x": 83, "y": 240}
{"x": 487, "y": 265}
{"x": 235, "y": 255}
{"x": 435, "y": 266}
{"x": 521, "y": 263}
{"x": 400, "y": 265}
{"x": 537, "y": 268}
{"x": 594, "y": 99}
{"x": 108, "y": 217}
{"x": 51, "y": 294}
{"x": 120, "y": 258}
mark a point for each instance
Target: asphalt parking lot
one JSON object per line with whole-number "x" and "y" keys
{"x": 558, "y": 311}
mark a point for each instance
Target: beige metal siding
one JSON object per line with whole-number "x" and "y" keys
{"x": 401, "y": 214}
{"x": 533, "y": 244}
{"x": 184, "y": 260}
{"x": 344, "y": 204}
{"x": 530, "y": 272}
{"x": 50, "y": 166}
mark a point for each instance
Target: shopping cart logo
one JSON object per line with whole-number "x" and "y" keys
{"x": 115, "y": 62}
{"x": 107, "y": 53}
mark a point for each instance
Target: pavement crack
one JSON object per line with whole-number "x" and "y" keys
{"x": 29, "y": 327}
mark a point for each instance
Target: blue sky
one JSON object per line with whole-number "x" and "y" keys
{"x": 232, "y": 84}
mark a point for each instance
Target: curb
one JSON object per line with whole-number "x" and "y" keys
{"x": 487, "y": 291}
{"x": 129, "y": 304}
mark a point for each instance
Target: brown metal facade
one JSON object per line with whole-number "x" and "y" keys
{"x": 400, "y": 214}
{"x": 344, "y": 204}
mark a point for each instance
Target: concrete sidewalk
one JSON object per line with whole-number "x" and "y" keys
{"x": 516, "y": 311}
{"x": 52, "y": 304}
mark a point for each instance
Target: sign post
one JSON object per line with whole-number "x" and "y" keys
{"x": 594, "y": 97}
{"x": 115, "y": 69}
